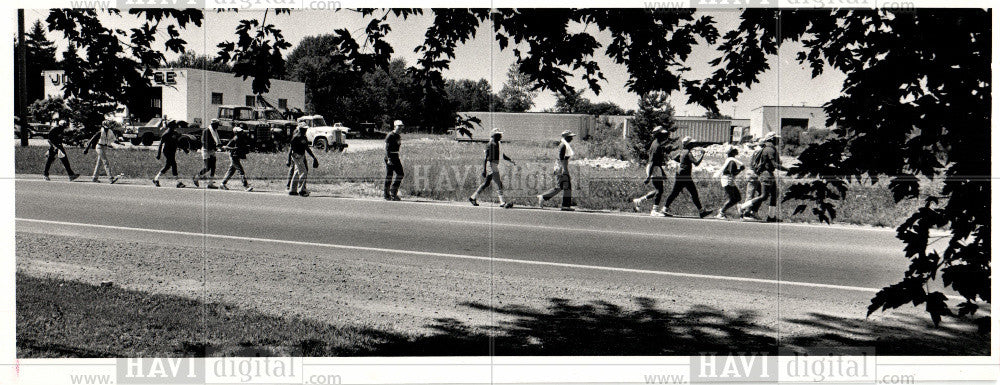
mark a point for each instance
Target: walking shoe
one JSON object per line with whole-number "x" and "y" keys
{"x": 473, "y": 201}
{"x": 772, "y": 220}
{"x": 396, "y": 198}
{"x": 115, "y": 178}
{"x": 46, "y": 177}
{"x": 507, "y": 205}
{"x": 666, "y": 214}
{"x": 73, "y": 177}
{"x": 212, "y": 186}
{"x": 181, "y": 184}
{"x": 657, "y": 213}
{"x": 720, "y": 215}
{"x": 223, "y": 187}
{"x": 705, "y": 213}
{"x": 304, "y": 193}
{"x": 156, "y": 183}
{"x": 635, "y": 204}
{"x": 95, "y": 180}
{"x": 248, "y": 189}
{"x": 195, "y": 182}
{"x": 567, "y": 208}
{"x": 541, "y": 201}
{"x": 293, "y": 192}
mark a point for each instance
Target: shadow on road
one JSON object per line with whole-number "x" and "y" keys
{"x": 57, "y": 318}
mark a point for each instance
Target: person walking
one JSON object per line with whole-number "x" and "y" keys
{"x": 56, "y": 150}
{"x": 209, "y": 144}
{"x": 297, "y": 150}
{"x": 393, "y": 167}
{"x": 753, "y": 182}
{"x": 491, "y": 170}
{"x": 102, "y": 142}
{"x": 683, "y": 179}
{"x": 238, "y": 147}
{"x": 168, "y": 149}
{"x": 564, "y": 183}
{"x": 765, "y": 166}
{"x": 654, "y": 172}
{"x": 727, "y": 174}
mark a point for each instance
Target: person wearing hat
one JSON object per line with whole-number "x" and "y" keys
{"x": 238, "y": 147}
{"x": 727, "y": 174}
{"x": 291, "y": 167}
{"x": 491, "y": 169}
{"x": 770, "y": 161}
{"x": 209, "y": 143}
{"x": 393, "y": 167}
{"x": 655, "y": 172}
{"x": 297, "y": 150}
{"x": 564, "y": 183}
{"x": 102, "y": 142}
{"x": 56, "y": 150}
{"x": 683, "y": 179}
{"x": 168, "y": 149}
{"x": 753, "y": 182}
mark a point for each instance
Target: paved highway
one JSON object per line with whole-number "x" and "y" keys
{"x": 799, "y": 254}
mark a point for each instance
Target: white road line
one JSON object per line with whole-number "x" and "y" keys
{"x": 469, "y": 257}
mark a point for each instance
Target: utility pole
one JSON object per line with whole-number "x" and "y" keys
{"x": 22, "y": 83}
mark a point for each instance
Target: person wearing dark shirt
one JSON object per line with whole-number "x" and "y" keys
{"x": 491, "y": 170}
{"x": 56, "y": 150}
{"x": 770, "y": 162}
{"x": 393, "y": 166}
{"x": 683, "y": 179}
{"x": 168, "y": 149}
{"x": 753, "y": 182}
{"x": 563, "y": 182}
{"x": 654, "y": 172}
{"x": 237, "y": 147}
{"x": 297, "y": 150}
{"x": 209, "y": 143}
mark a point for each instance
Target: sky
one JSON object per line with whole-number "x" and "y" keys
{"x": 786, "y": 83}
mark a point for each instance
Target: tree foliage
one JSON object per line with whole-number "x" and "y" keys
{"x": 189, "y": 59}
{"x": 106, "y": 67}
{"x": 914, "y": 109}
{"x": 518, "y": 93}
{"x": 40, "y": 55}
{"x": 575, "y": 103}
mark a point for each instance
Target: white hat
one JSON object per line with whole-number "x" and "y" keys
{"x": 568, "y": 133}
{"x": 397, "y": 123}
{"x": 237, "y": 129}
{"x": 496, "y": 132}
{"x": 686, "y": 140}
{"x": 769, "y": 136}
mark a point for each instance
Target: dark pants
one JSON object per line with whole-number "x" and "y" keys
{"x": 235, "y": 166}
{"x": 565, "y": 185}
{"x": 657, "y": 193}
{"x": 734, "y": 197}
{"x": 393, "y": 176}
{"x": 684, "y": 182}
{"x": 53, "y": 151}
{"x": 170, "y": 163}
{"x": 209, "y": 167}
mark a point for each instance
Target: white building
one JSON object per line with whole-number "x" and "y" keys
{"x": 766, "y": 119}
{"x": 194, "y": 95}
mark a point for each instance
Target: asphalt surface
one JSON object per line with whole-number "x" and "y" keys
{"x": 820, "y": 255}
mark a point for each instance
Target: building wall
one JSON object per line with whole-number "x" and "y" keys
{"x": 768, "y": 118}
{"x": 529, "y": 126}
{"x": 703, "y": 130}
{"x": 234, "y": 92}
{"x": 187, "y": 92}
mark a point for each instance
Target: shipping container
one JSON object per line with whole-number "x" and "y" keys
{"x": 703, "y": 130}
{"x": 528, "y": 126}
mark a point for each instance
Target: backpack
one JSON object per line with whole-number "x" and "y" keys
{"x": 757, "y": 161}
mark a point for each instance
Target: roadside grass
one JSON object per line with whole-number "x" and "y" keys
{"x": 444, "y": 169}
{"x": 62, "y": 318}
